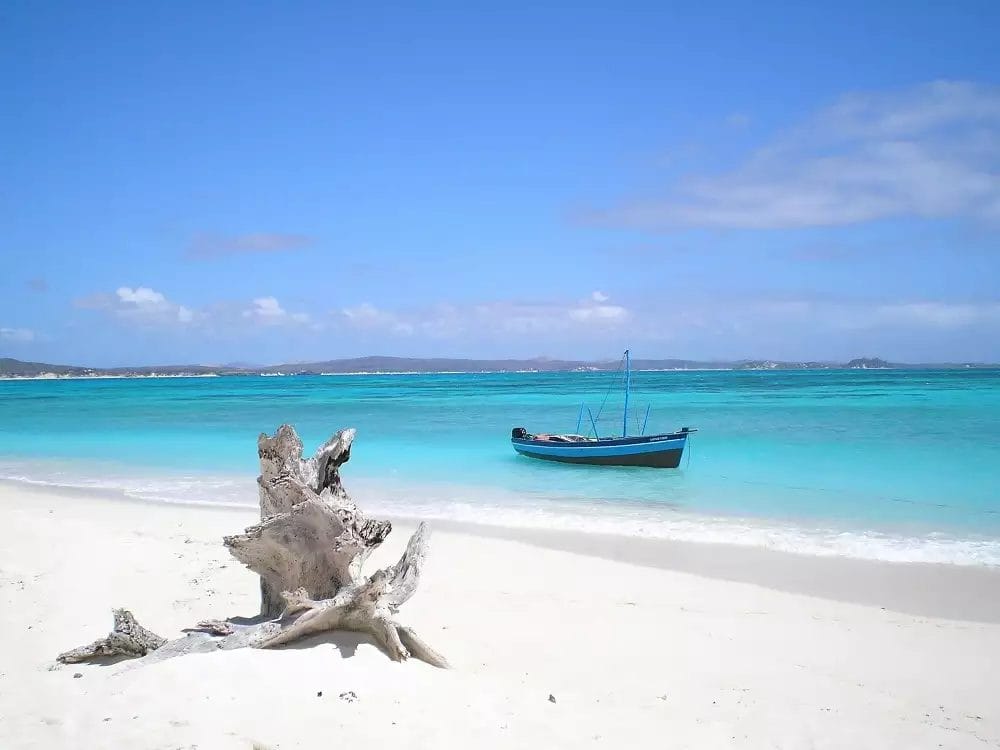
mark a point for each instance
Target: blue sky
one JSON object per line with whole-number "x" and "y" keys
{"x": 300, "y": 181}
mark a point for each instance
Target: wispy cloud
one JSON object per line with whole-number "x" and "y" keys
{"x": 825, "y": 316}
{"x": 593, "y": 314}
{"x": 368, "y": 317}
{"x": 930, "y": 151}
{"x": 940, "y": 315}
{"x": 699, "y": 325}
{"x": 598, "y": 313}
{"x": 207, "y": 246}
{"x": 17, "y": 335}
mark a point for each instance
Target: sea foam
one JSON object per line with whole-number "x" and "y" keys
{"x": 478, "y": 505}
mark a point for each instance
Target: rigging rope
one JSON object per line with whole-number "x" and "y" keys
{"x": 610, "y": 387}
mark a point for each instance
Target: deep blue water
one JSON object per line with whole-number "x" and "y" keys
{"x": 878, "y": 463}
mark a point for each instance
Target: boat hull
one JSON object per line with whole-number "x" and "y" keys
{"x": 656, "y": 451}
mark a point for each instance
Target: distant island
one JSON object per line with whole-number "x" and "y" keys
{"x": 868, "y": 363}
{"x": 14, "y": 368}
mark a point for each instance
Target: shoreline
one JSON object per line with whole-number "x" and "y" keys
{"x": 937, "y": 367}
{"x": 942, "y": 590}
{"x": 481, "y": 505}
{"x": 549, "y": 648}
{"x": 956, "y": 592}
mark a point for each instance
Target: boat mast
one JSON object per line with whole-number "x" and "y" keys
{"x": 628, "y": 383}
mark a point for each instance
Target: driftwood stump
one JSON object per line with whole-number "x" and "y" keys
{"x": 308, "y": 550}
{"x": 311, "y": 534}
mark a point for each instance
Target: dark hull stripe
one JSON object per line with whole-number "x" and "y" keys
{"x": 669, "y": 459}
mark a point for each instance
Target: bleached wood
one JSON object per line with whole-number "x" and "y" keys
{"x": 308, "y": 550}
{"x": 127, "y": 638}
{"x": 287, "y": 479}
{"x": 320, "y": 546}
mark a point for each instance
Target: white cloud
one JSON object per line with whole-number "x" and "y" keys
{"x": 595, "y": 313}
{"x": 596, "y": 310}
{"x": 268, "y": 311}
{"x": 489, "y": 318}
{"x": 145, "y": 306}
{"x": 931, "y": 151}
{"x": 140, "y": 296}
{"x": 17, "y": 335}
{"x": 140, "y": 305}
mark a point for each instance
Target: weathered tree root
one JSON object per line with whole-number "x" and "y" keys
{"x": 127, "y": 638}
{"x": 308, "y": 550}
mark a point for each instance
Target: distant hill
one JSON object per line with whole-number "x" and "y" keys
{"x": 17, "y": 368}
{"x": 14, "y": 368}
{"x": 868, "y": 363}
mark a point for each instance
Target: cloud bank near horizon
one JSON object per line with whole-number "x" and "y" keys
{"x": 744, "y": 327}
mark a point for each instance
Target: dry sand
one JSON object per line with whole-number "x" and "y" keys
{"x": 634, "y": 655}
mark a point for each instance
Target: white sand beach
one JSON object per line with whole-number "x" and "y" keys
{"x": 668, "y": 653}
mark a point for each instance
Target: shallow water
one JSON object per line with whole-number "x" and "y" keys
{"x": 885, "y": 464}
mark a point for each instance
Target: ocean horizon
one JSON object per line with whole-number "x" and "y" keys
{"x": 878, "y": 464}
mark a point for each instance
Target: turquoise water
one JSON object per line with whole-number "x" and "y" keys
{"x": 885, "y": 464}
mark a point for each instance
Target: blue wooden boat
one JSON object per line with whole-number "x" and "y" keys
{"x": 662, "y": 451}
